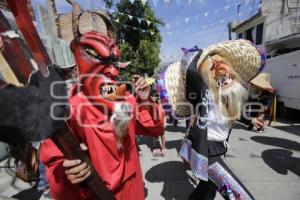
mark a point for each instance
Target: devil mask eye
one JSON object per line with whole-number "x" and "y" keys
{"x": 93, "y": 53}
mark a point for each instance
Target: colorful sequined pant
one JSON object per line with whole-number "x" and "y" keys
{"x": 220, "y": 175}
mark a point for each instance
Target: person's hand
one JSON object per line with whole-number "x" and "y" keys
{"x": 258, "y": 123}
{"x": 75, "y": 170}
{"x": 142, "y": 88}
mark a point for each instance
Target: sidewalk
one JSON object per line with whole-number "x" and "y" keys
{"x": 267, "y": 163}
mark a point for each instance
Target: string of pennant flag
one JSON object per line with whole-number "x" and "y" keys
{"x": 178, "y": 2}
{"x": 185, "y": 20}
{"x": 194, "y": 30}
{"x": 134, "y": 28}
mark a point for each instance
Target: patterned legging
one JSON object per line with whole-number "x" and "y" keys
{"x": 219, "y": 175}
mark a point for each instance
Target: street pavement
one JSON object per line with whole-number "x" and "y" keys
{"x": 267, "y": 163}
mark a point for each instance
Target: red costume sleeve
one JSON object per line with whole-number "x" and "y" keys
{"x": 149, "y": 119}
{"x": 114, "y": 167}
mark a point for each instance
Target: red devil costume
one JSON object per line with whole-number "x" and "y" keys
{"x": 96, "y": 56}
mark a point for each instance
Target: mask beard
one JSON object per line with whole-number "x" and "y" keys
{"x": 120, "y": 120}
{"x": 229, "y": 100}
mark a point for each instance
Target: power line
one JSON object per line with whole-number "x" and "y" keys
{"x": 225, "y": 29}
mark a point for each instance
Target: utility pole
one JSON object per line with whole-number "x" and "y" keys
{"x": 229, "y": 25}
{"x": 238, "y": 13}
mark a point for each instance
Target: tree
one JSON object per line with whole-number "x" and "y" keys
{"x": 139, "y": 39}
{"x": 108, "y": 3}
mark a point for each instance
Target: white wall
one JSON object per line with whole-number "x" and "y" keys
{"x": 279, "y": 21}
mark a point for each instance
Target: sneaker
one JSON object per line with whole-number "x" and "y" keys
{"x": 156, "y": 152}
{"x": 164, "y": 152}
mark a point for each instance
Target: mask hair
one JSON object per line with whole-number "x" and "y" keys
{"x": 120, "y": 120}
{"x": 231, "y": 101}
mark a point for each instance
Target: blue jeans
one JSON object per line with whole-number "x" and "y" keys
{"x": 42, "y": 181}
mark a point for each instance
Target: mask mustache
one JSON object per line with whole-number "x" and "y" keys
{"x": 223, "y": 80}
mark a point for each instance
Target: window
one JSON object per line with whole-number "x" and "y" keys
{"x": 248, "y": 34}
{"x": 240, "y": 36}
{"x": 259, "y": 33}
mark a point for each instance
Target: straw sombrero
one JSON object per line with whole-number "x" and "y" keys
{"x": 262, "y": 81}
{"x": 246, "y": 59}
{"x": 175, "y": 86}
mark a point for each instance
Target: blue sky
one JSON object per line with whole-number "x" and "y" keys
{"x": 188, "y": 22}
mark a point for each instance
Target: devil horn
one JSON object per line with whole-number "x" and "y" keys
{"x": 111, "y": 31}
{"x": 76, "y": 12}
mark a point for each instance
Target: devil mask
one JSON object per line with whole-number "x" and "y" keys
{"x": 96, "y": 56}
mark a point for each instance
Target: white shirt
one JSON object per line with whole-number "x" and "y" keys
{"x": 217, "y": 129}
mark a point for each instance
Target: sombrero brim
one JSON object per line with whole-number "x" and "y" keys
{"x": 262, "y": 82}
{"x": 243, "y": 56}
{"x": 175, "y": 86}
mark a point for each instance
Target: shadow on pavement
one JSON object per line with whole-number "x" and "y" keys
{"x": 239, "y": 125}
{"x": 290, "y": 128}
{"x": 176, "y": 182}
{"x": 148, "y": 141}
{"x": 29, "y": 194}
{"x": 281, "y": 161}
{"x": 174, "y": 144}
{"x": 278, "y": 142}
{"x": 172, "y": 128}
{"x": 145, "y": 192}
{"x": 145, "y": 140}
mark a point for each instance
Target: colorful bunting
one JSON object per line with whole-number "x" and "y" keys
{"x": 186, "y": 20}
{"x": 144, "y": 2}
{"x": 139, "y": 20}
{"x": 155, "y": 2}
{"x": 183, "y": 20}
{"x": 206, "y": 14}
